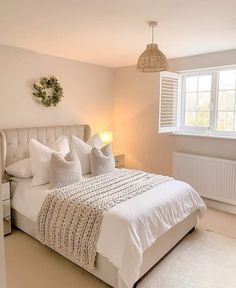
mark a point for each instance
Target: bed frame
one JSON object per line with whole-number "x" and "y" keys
{"x": 14, "y": 146}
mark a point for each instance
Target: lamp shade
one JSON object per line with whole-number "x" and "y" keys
{"x": 152, "y": 60}
{"x": 106, "y": 136}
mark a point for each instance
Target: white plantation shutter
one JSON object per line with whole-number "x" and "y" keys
{"x": 169, "y": 102}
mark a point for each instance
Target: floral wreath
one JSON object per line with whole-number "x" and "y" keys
{"x": 42, "y": 89}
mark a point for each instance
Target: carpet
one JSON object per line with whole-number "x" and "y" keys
{"x": 202, "y": 260}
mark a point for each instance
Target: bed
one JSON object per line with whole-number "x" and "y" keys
{"x": 142, "y": 229}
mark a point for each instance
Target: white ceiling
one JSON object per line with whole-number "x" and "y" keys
{"x": 114, "y": 32}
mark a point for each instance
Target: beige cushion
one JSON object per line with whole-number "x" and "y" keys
{"x": 102, "y": 160}
{"x": 64, "y": 171}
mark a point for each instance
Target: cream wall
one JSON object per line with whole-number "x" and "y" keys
{"x": 135, "y": 117}
{"x": 87, "y": 91}
{"x": 2, "y": 254}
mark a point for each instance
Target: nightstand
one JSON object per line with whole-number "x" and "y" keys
{"x": 6, "y": 202}
{"x": 120, "y": 160}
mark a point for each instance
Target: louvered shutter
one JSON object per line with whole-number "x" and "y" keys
{"x": 169, "y": 102}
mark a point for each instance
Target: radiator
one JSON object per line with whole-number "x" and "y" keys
{"x": 212, "y": 178}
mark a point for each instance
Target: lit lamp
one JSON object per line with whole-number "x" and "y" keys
{"x": 107, "y": 137}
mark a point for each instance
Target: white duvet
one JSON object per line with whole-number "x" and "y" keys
{"x": 129, "y": 228}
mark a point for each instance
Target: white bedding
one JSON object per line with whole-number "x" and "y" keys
{"x": 129, "y": 228}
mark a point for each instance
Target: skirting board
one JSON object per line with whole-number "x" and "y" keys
{"x": 220, "y": 206}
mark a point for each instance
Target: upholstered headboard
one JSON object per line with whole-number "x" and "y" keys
{"x": 15, "y": 142}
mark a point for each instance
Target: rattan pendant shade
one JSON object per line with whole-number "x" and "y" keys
{"x": 152, "y": 59}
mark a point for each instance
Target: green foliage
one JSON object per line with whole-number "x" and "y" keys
{"x": 41, "y": 94}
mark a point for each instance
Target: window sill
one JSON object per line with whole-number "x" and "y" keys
{"x": 181, "y": 133}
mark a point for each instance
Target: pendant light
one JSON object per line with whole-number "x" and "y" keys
{"x": 152, "y": 59}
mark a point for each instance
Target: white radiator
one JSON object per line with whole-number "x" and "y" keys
{"x": 213, "y": 178}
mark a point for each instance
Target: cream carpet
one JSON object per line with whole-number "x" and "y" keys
{"x": 201, "y": 260}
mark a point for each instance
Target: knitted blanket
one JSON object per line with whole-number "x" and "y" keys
{"x": 70, "y": 218}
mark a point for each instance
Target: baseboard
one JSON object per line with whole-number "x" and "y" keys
{"x": 220, "y": 206}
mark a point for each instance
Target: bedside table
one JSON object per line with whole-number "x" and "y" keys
{"x": 119, "y": 160}
{"x": 6, "y": 202}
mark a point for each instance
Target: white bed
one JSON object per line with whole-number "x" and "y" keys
{"x": 134, "y": 234}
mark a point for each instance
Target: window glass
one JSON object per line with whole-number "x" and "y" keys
{"x": 225, "y": 121}
{"x": 191, "y": 100}
{"x": 191, "y": 84}
{"x": 190, "y": 118}
{"x": 204, "y": 99}
{"x": 204, "y": 83}
{"x": 227, "y": 80}
{"x": 226, "y": 100}
{"x": 203, "y": 119}
{"x": 226, "y": 96}
{"x": 197, "y": 100}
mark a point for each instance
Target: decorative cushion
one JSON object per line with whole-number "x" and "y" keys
{"x": 64, "y": 171}
{"x": 20, "y": 169}
{"x": 41, "y": 156}
{"x": 102, "y": 160}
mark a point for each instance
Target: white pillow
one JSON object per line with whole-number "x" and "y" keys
{"x": 95, "y": 141}
{"x": 83, "y": 151}
{"x": 41, "y": 157}
{"x": 61, "y": 145}
{"x": 20, "y": 169}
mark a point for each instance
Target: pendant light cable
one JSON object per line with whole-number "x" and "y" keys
{"x": 152, "y": 33}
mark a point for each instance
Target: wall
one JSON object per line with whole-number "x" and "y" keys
{"x": 87, "y": 91}
{"x": 136, "y": 97}
{"x": 2, "y": 256}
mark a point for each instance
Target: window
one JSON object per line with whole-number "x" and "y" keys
{"x": 204, "y": 103}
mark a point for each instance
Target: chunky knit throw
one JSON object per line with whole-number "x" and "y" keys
{"x": 70, "y": 218}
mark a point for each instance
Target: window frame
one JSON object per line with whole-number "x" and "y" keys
{"x": 211, "y": 130}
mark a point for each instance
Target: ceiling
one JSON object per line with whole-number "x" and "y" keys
{"x": 114, "y": 32}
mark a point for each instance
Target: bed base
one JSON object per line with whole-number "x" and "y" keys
{"x": 192, "y": 230}
{"x": 105, "y": 270}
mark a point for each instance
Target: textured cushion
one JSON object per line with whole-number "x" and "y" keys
{"x": 41, "y": 156}
{"x": 102, "y": 160}
{"x": 21, "y": 169}
{"x": 95, "y": 141}
{"x": 64, "y": 171}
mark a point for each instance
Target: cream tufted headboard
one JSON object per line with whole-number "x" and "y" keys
{"x": 15, "y": 142}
